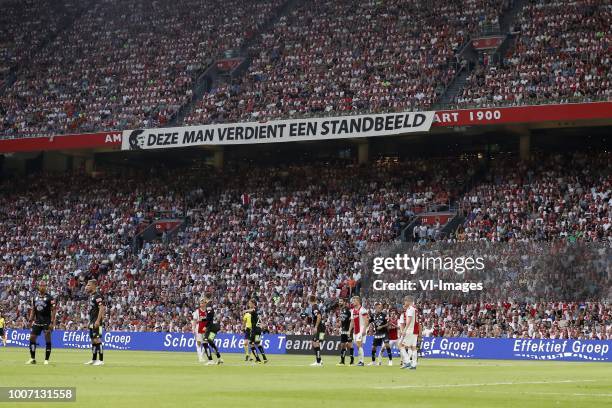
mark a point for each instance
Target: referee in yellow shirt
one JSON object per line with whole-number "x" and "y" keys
{"x": 248, "y": 326}
{"x": 2, "y": 330}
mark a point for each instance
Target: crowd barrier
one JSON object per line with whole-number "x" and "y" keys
{"x": 431, "y": 347}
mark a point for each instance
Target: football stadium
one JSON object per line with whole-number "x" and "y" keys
{"x": 306, "y": 203}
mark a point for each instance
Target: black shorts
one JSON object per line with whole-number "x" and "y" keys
{"x": 211, "y": 332}
{"x": 38, "y": 328}
{"x": 247, "y": 334}
{"x": 95, "y": 333}
{"x": 378, "y": 341}
{"x": 2, "y": 332}
{"x": 255, "y": 336}
{"x": 319, "y": 336}
{"x": 346, "y": 337}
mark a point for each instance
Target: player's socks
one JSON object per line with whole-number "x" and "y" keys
{"x": 254, "y": 351}
{"x": 317, "y": 351}
{"x": 389, "y": 353}
{"x": 94, "y": 352}
{"x": 409, "y": 353}
{"x": 262, "y": 352}
{"x": 207, "y": 350}
{"x": 361, "y": 354}
{"x": 373, "y": 355}
{"x": 32, "y": 350}
{"x": 342, "y": 355}
{"x": 100, "y": 352}
{"x": 212, "y": 344}
{"x": 47, "y": 350}
{"x": 414, "y": 358}
{"x": 352, "y": 358}
{"x": 404, "y": 355}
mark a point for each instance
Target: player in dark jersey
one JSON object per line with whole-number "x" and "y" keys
{"x": 318, "y": 329}
{"x": 212, "y": 328}
{"x": 42, "y": 315}
{"x": 96, "y": 322}
{"x": 346, "y": 339}
{"x": 381, "y": 323}
{"x": 255, "y": 334}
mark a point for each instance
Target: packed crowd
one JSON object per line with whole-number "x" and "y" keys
{"x": 125, "y": 64}
{"x": 278, "y": 234}
{"x": 551, "y": 199}
{"x": 114, "y": 67}
{"x": 507, "y": 319}
{"x": 342, "y": 57}
{"x": 134, "y": 64}
{"x": 25, "y": 25}
{"x": 561, "y": 55}
{"x": 307, "y": 224}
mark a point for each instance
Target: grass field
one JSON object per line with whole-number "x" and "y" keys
{"x": 146, "y": 379}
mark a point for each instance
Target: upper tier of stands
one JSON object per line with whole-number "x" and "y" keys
{"x": 111, "y": 65}
{"x": 125, "y": 64}
{"x": 330, "y": 56}
{"x": 561, "y": 54}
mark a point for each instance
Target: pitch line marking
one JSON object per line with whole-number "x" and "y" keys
{"x": 481, "y": 384}
{"x": 577, "y": 394}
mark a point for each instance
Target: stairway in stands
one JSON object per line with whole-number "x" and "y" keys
{"x": 507, "y": 21}
{"x": 454, "y": 88}
{"x": 213, "y": 76}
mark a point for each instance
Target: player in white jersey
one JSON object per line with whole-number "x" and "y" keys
{"x": 198, "y": 326}
{"x": 409, "y": 334}
{"x": 359, "y": 324}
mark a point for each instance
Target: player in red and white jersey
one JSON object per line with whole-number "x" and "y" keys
{"x": 198, "y": 325}
{"x": 393, "y": 328}
{"x": 410, "y": 333}
{"x": 359, "y": 324}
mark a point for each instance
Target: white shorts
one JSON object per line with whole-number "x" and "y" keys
{"x": 357, "y": 337}
{"x": 410, "y": 340}
{"x": 199, "y": 337}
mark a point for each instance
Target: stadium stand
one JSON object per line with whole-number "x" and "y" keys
{"x": 125, "y": 64}
{"x": 561, "y": 55}
{"x": 126, "y": 72}
{"x": 303, "y": 231}
{"x": 115, "y": 68}
{"x": 350, "y": 57}
{"x": 27, "y": 25}
{"x": 552, "y": 201}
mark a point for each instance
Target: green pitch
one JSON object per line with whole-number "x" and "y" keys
{"x": 146, "y": 379}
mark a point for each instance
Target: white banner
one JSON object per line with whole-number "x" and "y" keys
{"x": 293, "y": 130}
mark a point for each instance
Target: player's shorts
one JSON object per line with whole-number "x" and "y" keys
{"x": 2, "y": 332}
{"x": 410, "y": 340}
{"x": 211, "y": 331}
{"x": 379, "y": 340}
{"x": 255, "y": 336}
{"x": 319, "y": 336}
{"x": 199, "y": 337}
{"x": 95, "y": 333}
{"x": 357, "y": 337}
{"x": 346, "y": 337}
{"x": 37, "y": 328}
{"x": 247, "y": 334}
